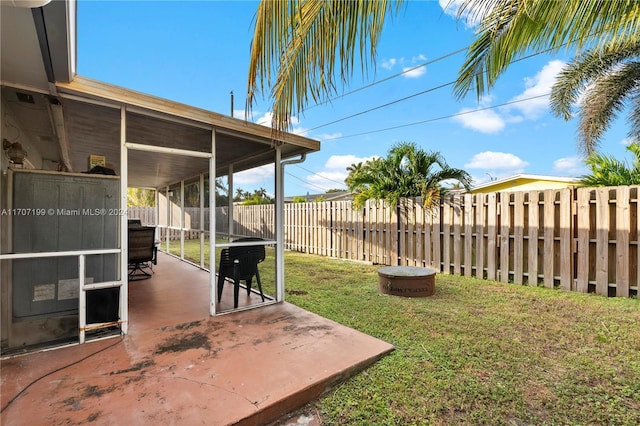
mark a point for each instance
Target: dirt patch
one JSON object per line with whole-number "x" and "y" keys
{"x": 185, "y": 326}
{"x": 308, "y": 329}
{"x": 87, "y": 392}
{"x": 93, "y": 417}
{"x": 137, "y": 367}
{"x": 195, "y": 340}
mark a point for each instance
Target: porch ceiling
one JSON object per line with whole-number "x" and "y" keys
{"x": 65, "y": 122}
{"x": 90, "y": 113}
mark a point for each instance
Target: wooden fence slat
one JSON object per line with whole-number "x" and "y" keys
{"x": 534, "y": 224}
{"x": 602, "y": 241}
{"x": 468, "y": 234}
{"x": 584, "y": 211}
{"x": 518, "y": 238}
{"x": 623, "y": 226}
{"x": 457, "y": 240}
{"x": 479, "y": 233}
{"x": 436, "y": 221}
{"x": 549, "y": 237}
{"x": 446, "y": 236}
{"x": 566, "y": 243}
{"x": 505, "y": 227}
{"x": 492, "y": 235}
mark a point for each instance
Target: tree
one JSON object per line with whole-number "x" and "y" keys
{"x": 603, "y": 81}
{"x": 301, "y": 48}
{"x": 259, "y": 196}
{"x": 509, "y": 29}
{"x": 608, "y": 171}
{"x": 407, "y": 171}
{"x": 141, "y": 197}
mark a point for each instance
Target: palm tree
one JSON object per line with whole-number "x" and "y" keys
{"x": 608, "y": 171}
{"x": 602, "y": 80}
{"x": 302, "y": 48}
{"x": 512, "y": 28}
{"x": 407, "y": 171}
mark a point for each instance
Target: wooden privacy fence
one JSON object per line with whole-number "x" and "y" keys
{"x": 581, "y": 239}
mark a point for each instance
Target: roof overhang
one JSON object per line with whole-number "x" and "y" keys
{"x": 65, "y": 119}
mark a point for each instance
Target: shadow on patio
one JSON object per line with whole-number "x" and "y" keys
{"x": 178, "y": 365}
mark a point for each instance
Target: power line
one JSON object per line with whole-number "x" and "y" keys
{"x": 413, "y": 95}
{"x": 306, "y": 182}
{"x": 406, "y": 71}
{"x": 441, "y": 118}
{"x": 381, "y": 106}
{"x": 323, "y": 177}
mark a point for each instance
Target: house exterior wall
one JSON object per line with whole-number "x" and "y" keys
{"x": 523, "y": 185}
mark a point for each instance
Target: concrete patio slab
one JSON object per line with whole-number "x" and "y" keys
{"x": 177, "y": 365}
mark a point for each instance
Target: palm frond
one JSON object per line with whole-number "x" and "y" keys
{"x": 298, "y": 45}
{"x": 604, "y": 101}
{"x": 515, "y": 27}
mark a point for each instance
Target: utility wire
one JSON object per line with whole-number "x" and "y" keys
{"x": 381, "y": 106}
{"x": 441, "y": 118}
{"x": 323, "y": 177}
{"x": 406, "y": 71}
{"x": 411, "y": 96}
{"x": 306, "y": 182}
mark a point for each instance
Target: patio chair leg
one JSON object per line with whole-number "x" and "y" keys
{"x": 259, "y": 284}
{"x": 220, "y": 285}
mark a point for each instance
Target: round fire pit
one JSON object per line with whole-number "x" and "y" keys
{"x": 407, "y": 281}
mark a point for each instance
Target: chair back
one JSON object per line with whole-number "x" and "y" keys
{"x": 141, "y": 243}
{"x": 248, "y": 257}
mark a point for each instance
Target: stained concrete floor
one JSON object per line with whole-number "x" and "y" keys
{"x": 179, "y": 366}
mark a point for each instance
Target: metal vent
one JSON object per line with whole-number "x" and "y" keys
{"x": 25, "y": 97}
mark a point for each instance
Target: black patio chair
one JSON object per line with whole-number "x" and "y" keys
{"x": 240, "y": 263}
{"x": 142, "y": 252}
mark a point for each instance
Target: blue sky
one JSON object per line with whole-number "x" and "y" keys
{"x": 198, "y": 52}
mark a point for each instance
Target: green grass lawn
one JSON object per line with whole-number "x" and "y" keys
{"x": 478, "y": 352}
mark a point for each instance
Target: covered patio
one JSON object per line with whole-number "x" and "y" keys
{"x": 178, "y": 365}
{"x": 165, "y": 355}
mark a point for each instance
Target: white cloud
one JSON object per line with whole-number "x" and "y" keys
{"x": 573, "y": 166}
{"x": 411, "y": 72}
{"x": 256, "y": 176}
{"x": 265, "y": 119}
{"x": 538, "y": 85}
{"x": 341, "y": 162}
{"x": 493, "y": 121}
{"x": 490, "y": 160}
{"x": 324, "y": 181}
{"x": 407, "y": 65}
{"x": 485, "y": 121}
{"x": 471, "y": 17}
{"x": 328, "y": 136}
{"x": 389, "y": 63}
{"x": 334, "y": 173}
{"x": 626, "y": 141}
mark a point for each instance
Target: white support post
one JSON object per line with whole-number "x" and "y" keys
{"x": 211, "y": 188}
{"x": 230, "y": 201}
{"x": 124, "y": 241}
{"x": 82, "y": 299}
{"x": 157, "y": 221}
{"x": 167, "y": 230}
{"x": 213, "y": 294}
{"x": 182, "y": 219}
{"x": 279, "y": 226}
